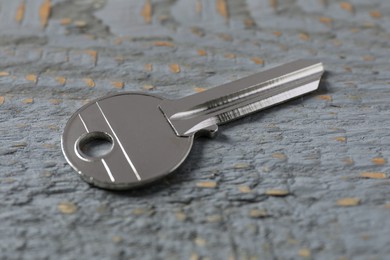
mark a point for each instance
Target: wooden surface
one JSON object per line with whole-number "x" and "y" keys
{"x": 304, "y": 180}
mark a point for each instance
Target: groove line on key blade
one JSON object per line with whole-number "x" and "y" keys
{"x": 249, "y": 93}
{"x": 120, "y": 144}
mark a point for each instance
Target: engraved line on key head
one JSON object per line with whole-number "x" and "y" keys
{"x": 108, "y": 170}
{"x": 120, "y": 144}
{"x": 82, "y": 121}
{"x": 103, "y": 161}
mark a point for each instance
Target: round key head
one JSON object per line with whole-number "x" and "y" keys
{"x": 123, "y": 141}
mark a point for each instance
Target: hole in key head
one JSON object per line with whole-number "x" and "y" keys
{"x": 94, "y": 145}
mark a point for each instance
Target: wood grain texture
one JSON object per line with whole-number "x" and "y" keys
{"x": 305, "y": 180}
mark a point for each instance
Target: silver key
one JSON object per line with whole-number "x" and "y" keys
{"x": 142, "y": 137}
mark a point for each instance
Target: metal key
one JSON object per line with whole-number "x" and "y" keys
{"x": 147, "y": 137}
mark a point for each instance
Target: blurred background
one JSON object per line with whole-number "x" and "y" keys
{"x": 305, "y": 180}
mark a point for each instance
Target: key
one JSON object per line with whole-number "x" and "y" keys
{"x": 131, "y": 139}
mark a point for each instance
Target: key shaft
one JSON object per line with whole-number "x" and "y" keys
{"x": 219, "y": 105}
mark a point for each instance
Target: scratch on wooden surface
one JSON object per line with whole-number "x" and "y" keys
{"x": 304, "y": 36}
{"x": 200, "y": 241}
{"x": 66, "y": 207}
{"x": 347, "y": 202}
{"x": 198, "y": 89}
{"x": 148, "y": 87}
{"x": 174, "y": 68}
{"x": 197, "y": 31}
{"x": 117, "y": 239}
{"x": 347, "y": 7}
{"x": 273, "y": 4}
{"x": 118, "y": 84}
{"x": 2, "y": 100}
{"x": 304, "y": 252}
{"x": 249, "y": 23}
{"x": 241, "y": 165}
{"x": 340, "y": 139}
{"x": 93, "y": 55}
{"x": 280, "y": 156}
{"x": 375, "y": 14}
{"x": 163, "y": 44}
{"x": 324, "y": 97}
{"x": 378, "y": 161}
{"x": 225, "y": 37}
{"x": 337, "y": 42}
{"x": 198, "y": 6}
{"x": 89, "y": 82}
{"x": 44, "y": 12}
{"x": 61, "y": 80}
{"x": 244, "y": 189}
{"x": 373, "y": 175}
{"x": 65, "y": 21}
{"x": 277, "y": 192}
{"x": 28, "y": 100}
{"x": 257, "y": 60}
{"x": 80, "y": 23}
{"x": 206, "y": 184}
{"x": 325, "y": 20}
{"x": 146, "y": 12}
{"x": 277, "y": 33}
{"x": 20, "y": 12}
{"x": 368, "y": 58}
{"x": 4, "y": 73}
{"x": 148, "y": 67}
{"x": 215, "y": 218}
{"x": 222, "y": 8}
{"x": 201, "y": 52}
{"x": 180, "y": 216}
{"x": 55, "y": 101}
{"x": 32, "y": 77}
{"x": 229, "y": 56}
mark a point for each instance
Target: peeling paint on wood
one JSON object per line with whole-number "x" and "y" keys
{"x": 373, "y": 175}
{"x": 93, "y": 55}
{"x": 60, "y": 80}
{"x": 277, "y": 192}
{"x": 146, "y": 12}
{"x": 206, "y": 184}
{"x": 148, "y": 67}
{"x": 174, "y": 68}
{"x": 20, "y": 12}
{"x": 378, "y": 160}
{"x": 222, "y": 8}
{"x": 44, "y": 12}
{"x": 347, "y": 7}
{"x": 32, "y": 77}
{"x": 28, "y": 100}
{"x": 376, "y": 14}
{"x": 257, "y": 60}
{"x": 163, "y": 44}
{"x": 66, "y": 208}
{"x": 348, "y": 202}
{"x": 89, "y": 82}
{"x": 118, "y": 84}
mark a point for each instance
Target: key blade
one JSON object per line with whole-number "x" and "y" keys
{"x": 239, "y": 98}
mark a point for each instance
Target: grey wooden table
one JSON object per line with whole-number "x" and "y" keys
{"x": 304, "y": 180}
